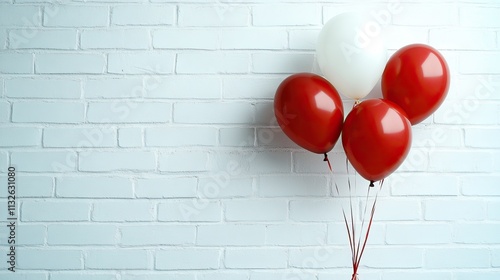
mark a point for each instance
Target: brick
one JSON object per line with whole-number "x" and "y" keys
{"x": 82, "y": 276}
{"x": 254, "y": 39}
{"x": 181, "y": 187}
{"x": 313, "y": 163}
{"x": 187, "y": 258}
{"x": 337, "y": 234}
{"x": 212, "y": 63}
{"x": 81, "y": 234}
{"x": 319, "y": 257}
{"x": 158, "y": 276}
{"x": 231, "y": 235}
{"x": 197, "y": 39}
{"x": 443, "y": 258}
{"x": 232, "y": 187}
{"x": 290, "y": 15}
{"x": 396, "y": 37}
{"x": 305, "y": 39}
{"x": 143, "y": 15}
{"x": 20, "y": 136}
{"x": 394, "y": 257}
{"x": 113, "y": 88}
{"x": 192, "y": 210}
{"x": 214, "y": 113}
{"x": 480, "y": 185}
{"x": 51, "y": 211}
{"x": 493, "y": 210}
{"x": 23, "y": 275}
{"x": 182, "y": 87}
{"x": 16, "y": 63}
{"x": 423, "y": 185}
{"x": 43, "y": 39}
{"x": 141, "y": 63}
{"x": 315, "y": 210}
{"x": 182, "y": 161}
{"x": 476, "y": 62}
{"x": 129, "y": 112}
{"x": 123, "y": 259}
{"x": 20, "y": 15}
{"x": 462, "y": 38}
{"x": 46, "y": 88}
{"x": 282, "y": 63}
{"x": 296, "y": 235}
{"x": 31, "y": 258}
{"x": 495, "y": 258}
{"x": 417, "y": 275}
{"x": 274, "y": 137}
{"x": 45, "y": 112}
{"x": 100, "y": 161}
{"x": 75, "y": 63}
{"x": 3, "y": 39}
{"x": 223, "y": 275}
{"x": 250, "y": 87}
{"x": 466, "y": 112}
{"x": 79, "y": 137}
{"x": 123, "y": 211}
{"x": 130, "y": 39}
{"x": 407, "y": 210}
{"x": 292, "y": 186}
{"x": 270, "y": 275}
{"x": 26, "y": 234}
{"x": 418, "y": 234}
{"x": 453, "y": 210}
{"x": 431, "y": 138}
{"x": 481, "y": 87}
{"x": 218, "y": 16}
{"x": 482, "y": 138}
{"x": 265, "y": 258}
{"x": 4, "y": 111}
{"x": 130, "y": 137}
{"x": 237, "y": 137}
{"x": 476, "y": 233}
{"x": 76, "y": 16}
{"x": 44, "y": 161}
{"x": 479, "y": 16}
{"x": 256, "y": 210}
{"x": 426, "y": 15}
{"x": 180, "y": 136}
{"x": 94, "y": 187}
{"x": 463, "y": 275}
{"x": 4, "y": 161}
{"x": 471, "y": 161}
{"x": 35, "y": 186}
{"x": 157, "y": 235}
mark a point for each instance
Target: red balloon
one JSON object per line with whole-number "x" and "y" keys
{"x": 310, "y": 112}
{"x": 416, "y": 78}
{"x": 376, "y": 138}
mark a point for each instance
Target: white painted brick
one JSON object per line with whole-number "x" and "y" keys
{"x": 237, "y": 137}
{"x": 296, "y": 235}
{"x": 16, "y": 63}
{"x": 481, "y": 185}
{"x": 223, "y": 275}
{"x": 100, "y": 161}
{"x": 254, "y": 39}
{"x": 3, "y": 39}
{"x": 419, "y": 234}
{"x": 223, "y": 113}
{"x": 319, "y": 257}
{"x": 482, "y": 138}
{"x": 250, "y": 87}
{"x": 79, "y": 137}
{"x": 290, "y": 14}
{"x": 187, "y": 258}
{"x": 396, "y": 37}
{"x": 94, "y": 187}
{"x": 182, "y": 87}
{"x": 462, "y": 39}
{"x": 495, "y": 258}
{"x": 417, "y": 275}
{"x": 141, "y": 63}
{"x": 82, "y": 276}
{"x": 292, "y": 186}
{"x": 20, "y": 15}
{"x": 174, "y": 136}
{"x": 478, "y": 87}
{"x": 282, "y": 63}
{"x": 128, "y": 112}
{"x": 479, "y": 16}
{"x": 265, "y": 115}
{"x": 4, "y": 111}
{"x": 77, "y": 63}
{"x": 132, "y": 39}
{"x": 426, "y": 15}
{"x": 274, "y": 137}
{"x": 130, "y": 137}
{"x": 466, "y": 112}
{"x": 26, "y": 234}
{"x": 464, "y": 275}
{"x": 477, "y": 233}
{"x": 31, "y": 258}
{"x": 315, "y": 210}
{"x": 442, "y": 258}
{"x": 393, "y": 257}
{"x": 423, "y": 185}
{"x": 4, "y": 161}
{"x": 431, "y": 138}
{"x": 20, "y": 136}
{"x": 306, "y": 162}
{"x": 43, "y": 39}
{"x": 53, "y": 88}
{"x": 452, "y": 210}
{"x": 271, "y": 275}
{"x": 256, "y": 258}
{"x": 143, "y": 15}
{"x": 226, "y": 186}
{"x": 337, "y": 233}
{"x": 157, "y": 235}
{"x": 51, "y": 112}
{"x": 87, "y": 234}
{"x": 23, "y": 275}
{"x": 184, "y": 161}
{"x": 231, "y": 235}
{"x": 113, "y": 88}
{"x": 219, "y": 15}
{"x": 118, "y": 259}
{"x": 123, "y": 211}
{"x": 476, "y": 62}
{"x": 470, "y": 161}
{"x": 212, "y": 63}
{"x": 397, "y": 210}
{"x": 192, "y": 210}
{"x": 200, "y": 39}
{"x": 52, "y": 211}
{"x": 166, "y": 187}
{"x": 158, "y": 275}
{"x": 75, "y": 16}
{"x": 44, "y": 161}
{"x": 494, "y": 210}
{"x": 305, "y": 39}
{"x": 35, "y": 186}
{"x": 256, "y": 210}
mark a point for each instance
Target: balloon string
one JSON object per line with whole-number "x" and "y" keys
{"x": 328, "y": 161}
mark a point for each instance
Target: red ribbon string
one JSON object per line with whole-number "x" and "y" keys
{"x": 328, "y": 161}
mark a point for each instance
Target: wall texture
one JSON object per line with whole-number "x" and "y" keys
{"x": 146, "y": 147}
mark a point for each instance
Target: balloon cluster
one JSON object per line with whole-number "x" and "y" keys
{"x": 376, "y": 134}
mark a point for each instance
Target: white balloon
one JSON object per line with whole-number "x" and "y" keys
{"x": 351, "y": 53}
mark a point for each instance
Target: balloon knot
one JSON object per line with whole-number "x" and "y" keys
{"x": 326, "y": 157}
{"x": 371, "y": 184}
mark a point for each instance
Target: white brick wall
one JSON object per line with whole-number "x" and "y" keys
{"x": 147, "y": 148}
